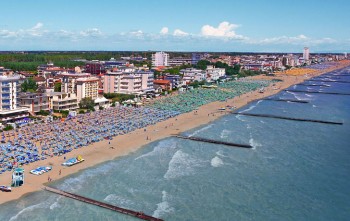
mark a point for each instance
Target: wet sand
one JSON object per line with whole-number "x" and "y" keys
{"x": 124, "y": 144}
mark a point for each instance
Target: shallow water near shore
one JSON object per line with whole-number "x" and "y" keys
{"x": 295, "y": 171}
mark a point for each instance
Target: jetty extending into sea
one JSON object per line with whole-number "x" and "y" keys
{"x": 129, "y": 212}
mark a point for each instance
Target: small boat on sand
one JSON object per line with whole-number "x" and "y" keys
{"x": 5, "y": 189}
{"x": 222, "y": 108}
{"x": 73, "y": 161}
{"x": 40, "y": 170}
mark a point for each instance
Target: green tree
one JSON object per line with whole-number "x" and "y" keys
{"x": 58, "y": 87}
{"x": 202, "y": 64}
{"x": 8, "y": 127}
{"x": 87, "y": 103}
{"x": 29, "y": 85}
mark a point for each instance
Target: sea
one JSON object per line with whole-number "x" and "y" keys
{"x": 295, "y": 170}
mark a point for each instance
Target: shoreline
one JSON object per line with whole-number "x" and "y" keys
{"x": 101, "y": 152}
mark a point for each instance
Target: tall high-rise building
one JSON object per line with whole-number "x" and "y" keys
{"x": 160, "y": 59}
{"x": 9, "y": 102}
{"x": 306, "y": 54}
{"x": 196, "y": 57}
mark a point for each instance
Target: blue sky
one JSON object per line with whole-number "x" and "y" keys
{"x": 181, "y": 25}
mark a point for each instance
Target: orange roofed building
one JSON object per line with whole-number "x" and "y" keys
{"x": 164, "y": 84}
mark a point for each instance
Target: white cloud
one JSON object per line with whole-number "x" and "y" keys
{"x": 93, "y": 32}
{"x": 7, "y": 34}
{"x": 225, "y": 29}
{"x": 34, "y": 31}
{"x": 179, "y": 32}
{"x": 164, "y": 30}
{"x": 284, "y": 39}
{"x": 37, "y": 26}
{"x": 294, "y": 40}
{"x": 138, "y": 33}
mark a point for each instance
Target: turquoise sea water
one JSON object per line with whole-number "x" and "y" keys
{"x": 296, "y": 170}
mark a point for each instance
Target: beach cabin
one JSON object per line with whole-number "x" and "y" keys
{"x": 18, "y": 177}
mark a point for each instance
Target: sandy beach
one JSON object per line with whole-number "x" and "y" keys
{"x": 124, "y": 144}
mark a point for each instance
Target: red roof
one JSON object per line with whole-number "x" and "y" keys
{"x": 39, "y": 79}
{"x": 161, "y": 82}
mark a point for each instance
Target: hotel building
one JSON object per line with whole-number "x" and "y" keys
{"x": 9, "y": 107}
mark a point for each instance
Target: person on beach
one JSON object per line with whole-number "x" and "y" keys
{"x": 59, "y": 173}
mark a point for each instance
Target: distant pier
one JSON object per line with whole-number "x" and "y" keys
{"x": 318, "y": 92}
{"x": 329, "y": 81}
{"x": 314, "y": 85}
{"x": 200, "y": 139}
{"x": 139, "y": 215}
{"x": 289, "y": 118}
{"x": 285, "y": 100}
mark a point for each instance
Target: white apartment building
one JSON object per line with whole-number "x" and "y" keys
{"x": 69, "y": 81}
{"x": 81, "y": 84}
{"x": 87, "y": 87}
{"x": 9, "y": 99}
{"x": 128, "y": 82}
{"x": 191, "y": 74}
{"x": 160, "y": 59}
{"x": 306, "y": 54}
{"x": 63, "y": 101}
{"x": 213, "y": 74}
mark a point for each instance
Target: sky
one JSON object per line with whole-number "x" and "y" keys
{"x": 176, "y": 25}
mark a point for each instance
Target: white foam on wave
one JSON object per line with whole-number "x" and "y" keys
{"x": 254, "y": 143}
{"x": 224, "y": 133}
{"x": 295, "y": 95}
{"x": 240, "y": 117}
{"x": 309, "y": 95}
{"x": 249, "y": 109}
{"x": 314, "y": 105}
{"x": 43, "y": 205}
{"x": 118, "y": 200}
{"x": 201, "y": 130}
{"x": 55, "y": 205}
{"x": 163, "y": 207}
{"x": 77, "y": 182}
{"x": 161, "y": 148}
{"x": 216, "y": 162}
{"x": 51, "y": 203}
{"x": 220, "y": 153}
{"x": 182, "y": 164}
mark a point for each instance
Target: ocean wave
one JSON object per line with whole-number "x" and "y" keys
{"x": 254, "y": 143}
{"x": 118, "y": 200}
{"x": 201, "y": 130}
{"x": 220, "y": 153}
{"x": 50, "y": 202}
{"x": 75, "y": 183}
{"x": 161, "y": 148}
{"x": 295, "y": 95}
{"x": 163, "y": 207}
{"x": 249, "y": 109}
{"x": 224, "y": 133}
{"x": 182, "y": 164}
{"x": 216, "y": 162}
{"x": 240, "y": 117}
{"x": 55, "y": 205}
